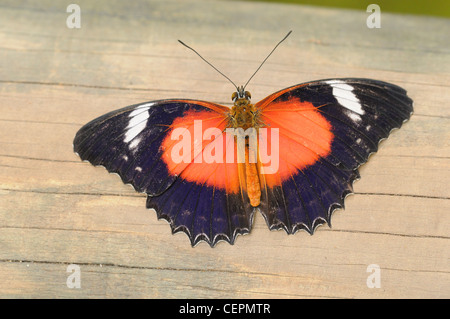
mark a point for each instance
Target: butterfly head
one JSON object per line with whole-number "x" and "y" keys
{"x": 241, "y": 97}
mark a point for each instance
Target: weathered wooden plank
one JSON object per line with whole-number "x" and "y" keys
{"x": 28, "y": 279}
{"x": 56, "y": 210}
{"x": 245, "y": 270}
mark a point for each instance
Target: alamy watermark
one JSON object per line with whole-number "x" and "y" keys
{"x": 374, "y": 279}
{"x": 73, "y": 21}
{"x": 74, "y": 279}
{"x": 191, "y": 149}
{"x": 373, "y": 20}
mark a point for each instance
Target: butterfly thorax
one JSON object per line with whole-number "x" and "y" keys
{"x": 243, "y": 114}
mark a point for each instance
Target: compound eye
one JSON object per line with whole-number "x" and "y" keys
{"x": 248, "y": 95}
{"x": 234, "y": 96}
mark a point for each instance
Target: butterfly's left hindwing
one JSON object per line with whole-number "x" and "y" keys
{"x": 334, "y": 126}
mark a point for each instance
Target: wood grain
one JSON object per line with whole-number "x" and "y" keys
{"x": 56, "y": 210}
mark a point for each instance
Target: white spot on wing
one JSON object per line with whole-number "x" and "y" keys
{"x": 137, "y": 123}
{"x": 134, "y": 143}
{"x": 344, "y": 95}
{"x": 134, "y": 131}
{"x": 354, "y": 117}
{"x": 138, "y": 119}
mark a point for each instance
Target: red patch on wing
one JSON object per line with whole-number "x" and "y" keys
{"x": 206, "y": 161}
{"x": 304, "y": 136}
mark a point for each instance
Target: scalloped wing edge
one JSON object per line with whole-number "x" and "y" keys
{"x": 202, "y": 237}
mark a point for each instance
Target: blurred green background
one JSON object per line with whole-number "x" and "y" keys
{"x": 440, "y": 8}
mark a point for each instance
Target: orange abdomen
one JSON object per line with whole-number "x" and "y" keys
{"x": 252, "y": 178}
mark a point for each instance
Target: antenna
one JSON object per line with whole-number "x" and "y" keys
{"x": 267, "y": 58}
{"x": 208, "y": 63}
{"x": 227, "y": 76}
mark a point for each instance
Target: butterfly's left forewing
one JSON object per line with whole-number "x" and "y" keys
{"x": 327, "y": 129}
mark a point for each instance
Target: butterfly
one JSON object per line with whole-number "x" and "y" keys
{"x": 207, "y": 168}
